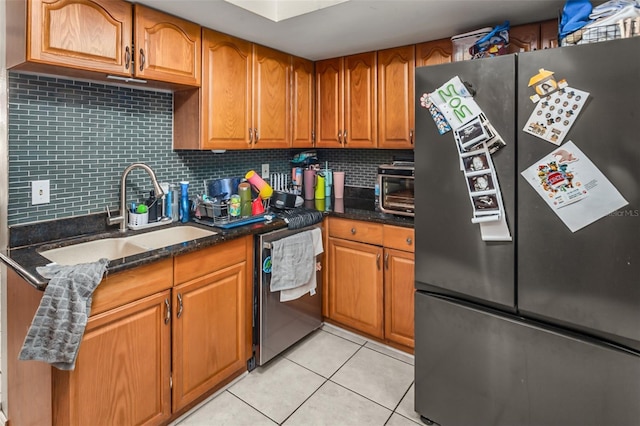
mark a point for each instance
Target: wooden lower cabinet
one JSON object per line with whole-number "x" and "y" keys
{"x": 355, "y": 286}
{"x": 123, "y": 370}
{"x": 398, "y": 296}
{"x": 371, "y": 279}
{"x": 208, "y": 332}
{"x": 161, "y": 337}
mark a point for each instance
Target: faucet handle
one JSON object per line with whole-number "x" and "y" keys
{"x": 108, "y": 212}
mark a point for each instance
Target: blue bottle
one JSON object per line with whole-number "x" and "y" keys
{"x": 184, "y": 202}
{"x": 168, "y": 204}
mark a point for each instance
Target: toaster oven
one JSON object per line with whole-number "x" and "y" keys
{"x": 396, "y": 182}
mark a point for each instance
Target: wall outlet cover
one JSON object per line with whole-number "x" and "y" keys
{"x": 40, "y": 193}
{"x": 265, "y": 171}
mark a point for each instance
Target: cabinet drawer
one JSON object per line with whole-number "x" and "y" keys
{"x": 211, "y": 259}
{"x": 399, "y": 238}
{"x": 123, "y": 287}
{"x": 355, "y": 230}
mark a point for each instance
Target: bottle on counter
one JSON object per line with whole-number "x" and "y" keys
{"x": 152, "y": 205}
{"x": 184, "y": 202}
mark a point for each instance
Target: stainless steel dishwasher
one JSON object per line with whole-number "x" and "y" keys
{"x": 278, "y": 325}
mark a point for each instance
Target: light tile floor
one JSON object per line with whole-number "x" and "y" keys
{"x": 332, "y": 377}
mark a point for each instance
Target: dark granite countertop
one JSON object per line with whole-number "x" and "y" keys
{"x": 27, "y": 241}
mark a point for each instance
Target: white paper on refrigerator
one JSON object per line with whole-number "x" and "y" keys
{"x": 573, "y": 187}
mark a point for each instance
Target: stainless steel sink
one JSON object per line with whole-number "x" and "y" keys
{"x": 117, "y": 248}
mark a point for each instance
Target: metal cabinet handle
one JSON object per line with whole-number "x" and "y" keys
{"x": 345, "y": 137}
{"x": 313, "y": 138}
{"x": 378, "y": 261}
{"x": 340, "y": 137}
{"x": 142, "y": 60}
{"x": 179, "y": 305}
{"x": 353, "y": 231}
{"x": 411, "y": 136}
{"x": 127, "y": 58}
{"x": 167, "y": 316}
{"x": 386, "y": 261}
{"x": 409, "y": 240}
{"x": 250, "y": 135}
{"x": 255, "y": 132}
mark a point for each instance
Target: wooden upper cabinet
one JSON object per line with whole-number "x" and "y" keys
{"x": 302, "y": 103}
{"x": 396, "y": 70}
{"x": 360, "y": 101}
{"x": 346, "y": 102}
{"x": 271, "y": 98}
{"x": 329, "y": 103}
{"x": 90, "y": 35}
{"x": 549, "y": 34}
{"x": 226, "y": 94}
{"x": 524, "y": 38}
{"x": 96, "y": 38}
{"x": 434, "y": 52}
{"x": 166, "y": 48}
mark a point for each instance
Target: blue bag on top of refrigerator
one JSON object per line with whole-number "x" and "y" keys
{"x": 493, "y": 44}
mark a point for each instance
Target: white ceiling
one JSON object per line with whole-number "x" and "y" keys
{"x": 359, "y": 25}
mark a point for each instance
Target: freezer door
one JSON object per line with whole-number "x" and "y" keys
{"x": 450, "y": 254}
{"x": 475, "y": 367}
{"x": 590, "y": 279}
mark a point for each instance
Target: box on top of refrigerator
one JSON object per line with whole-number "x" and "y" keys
{"x": 462, "y": 43}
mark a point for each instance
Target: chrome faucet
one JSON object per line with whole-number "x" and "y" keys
{"x": 121, "y": 218}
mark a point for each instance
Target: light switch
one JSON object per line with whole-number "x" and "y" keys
{"x": 40, "y": 192}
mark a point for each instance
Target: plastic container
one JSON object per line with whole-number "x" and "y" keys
{"x": 462, "y": 42}
{"x": 138, "y": 219}
{"x": 263, "y": 188}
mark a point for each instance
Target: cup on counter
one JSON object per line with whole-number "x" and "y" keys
{"x": 244, "y": 191}
{"x": 309, "y": 184}
{"x": 338, "y": 184}
{"x": 328, "y": 182}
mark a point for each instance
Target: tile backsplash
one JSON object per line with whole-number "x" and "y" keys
{"x": 81, "y": 136}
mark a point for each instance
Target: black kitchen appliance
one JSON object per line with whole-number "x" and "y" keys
{"x": 544, "y": 329}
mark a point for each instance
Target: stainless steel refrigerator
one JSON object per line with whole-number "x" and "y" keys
{"x": 545, "y": 329}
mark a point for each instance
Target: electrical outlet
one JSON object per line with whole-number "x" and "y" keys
{"x": 40, "y": 192}
{"x": 265, "y": 171}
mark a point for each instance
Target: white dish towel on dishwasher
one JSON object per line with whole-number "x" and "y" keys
{"x": 310, "y": 286}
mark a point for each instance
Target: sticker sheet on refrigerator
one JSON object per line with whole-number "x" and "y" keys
{"x": 555, "y": 113}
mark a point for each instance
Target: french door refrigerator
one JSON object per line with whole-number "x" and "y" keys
{"x": 544, "y": 329}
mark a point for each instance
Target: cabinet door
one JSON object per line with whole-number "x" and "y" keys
{"x": 434, "y": 52}
{"x": 166, "y": 48}
{"x": 396, "y": 69}
{"x": 355, "y": 286}
{"x": 271, "y": 98}
{"x": 398, "y": 296}
{"x": 549, "y": 34}
{"x": 524, "y": 38}
{"x": 360, "y": 101}
{"x": 208, "y": 332}
{"x": 329, "y": 104}
{"x": 122, "y": 372}
{"x": 90, "y": 35}
{"x": 226, "y": 92}
{"x": 303, "y": 103}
